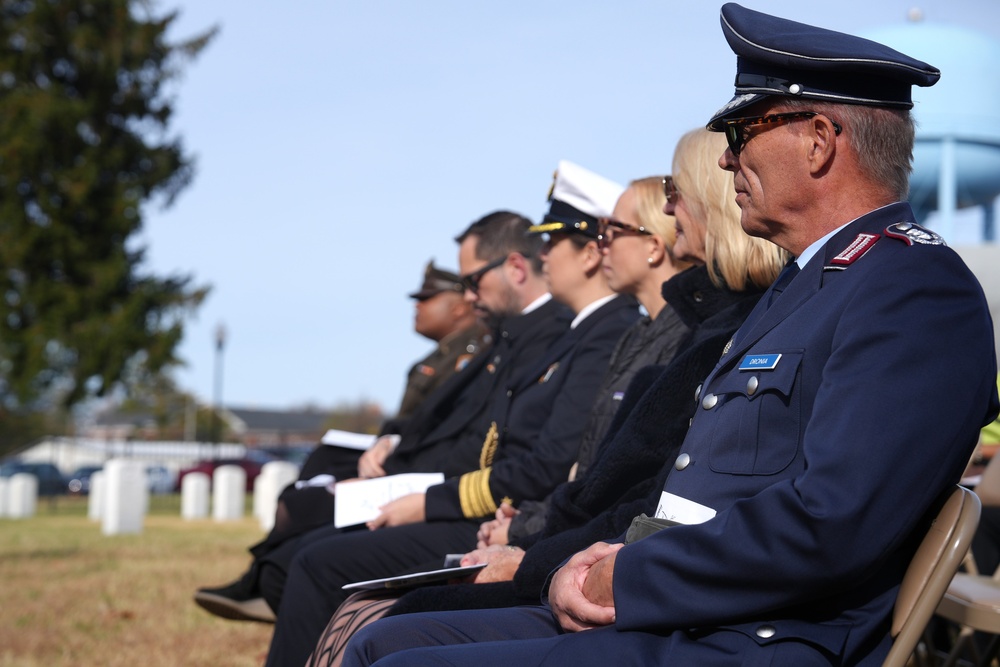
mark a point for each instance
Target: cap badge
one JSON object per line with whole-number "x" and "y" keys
{"x": 552, "y": 188}
{"x": 735, "y": 102}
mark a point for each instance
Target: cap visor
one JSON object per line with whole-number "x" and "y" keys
{"x": 732, "y": 109}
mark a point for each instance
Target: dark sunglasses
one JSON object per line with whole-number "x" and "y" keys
{"x": 670, "y": 190}
{"x": 738, "y": 129}
{"x": 471, "y": 281}
{"x": 609, "y": 228}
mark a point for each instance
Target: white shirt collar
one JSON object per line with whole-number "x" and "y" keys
{"x": 537, "y": 303}
{"x": 814, "y": 247}
{"x": 588, "y": 309}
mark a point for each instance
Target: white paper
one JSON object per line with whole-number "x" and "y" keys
{"x": 359, "y": 441}
{"x": 420, "y": 578}
{"x": 359, "y": 501}
{"x": 682, "y": 510}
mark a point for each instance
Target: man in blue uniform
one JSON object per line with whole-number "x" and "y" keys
{"x": 845, "y": 406}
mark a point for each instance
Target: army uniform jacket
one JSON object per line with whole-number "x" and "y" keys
{"x": 445, "y": 434}
{"x": 451, "y": 355}
{"x": 533, "y": 435}
{"x": 819, "y": 465}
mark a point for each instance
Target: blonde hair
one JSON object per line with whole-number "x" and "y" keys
{"x": 734, "y": 259}
{"x": 649, "y": 201}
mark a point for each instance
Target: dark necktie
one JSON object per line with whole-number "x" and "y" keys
{"x": 790, "y": 271}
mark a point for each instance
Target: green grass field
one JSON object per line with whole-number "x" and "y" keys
{"x": 71, "y": 596}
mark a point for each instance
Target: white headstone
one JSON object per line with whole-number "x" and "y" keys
{"x": 4, "y": 484}
{"x": 194, "y": 495}
{"x": 95, "y": 501}
{"x": 124, "y": 503}
{"x": 229, "y": 490}
{"x": 258, "y": 495}
{"x": 273, "y": 478}
{"x": 22, "y": 495}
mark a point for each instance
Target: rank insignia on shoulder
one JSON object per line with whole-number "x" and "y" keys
{"x": 549, "y": 373}
{"x": 911, "y": 233}
{"x": 462, "y": 361}
{"x": 861, "y": 244}
{"x": 426, "y": 370}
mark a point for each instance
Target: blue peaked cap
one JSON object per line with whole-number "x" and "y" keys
{"x": 778, "y": 57}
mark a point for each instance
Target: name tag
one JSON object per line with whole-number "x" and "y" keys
{"x": 759, "y": 362}
{"x": 682, "y": 510}
{"x": 618, "y": 395}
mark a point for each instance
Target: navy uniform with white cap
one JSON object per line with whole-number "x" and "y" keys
{"x": 827, "y": 433}
{"x": 537, "y": 424}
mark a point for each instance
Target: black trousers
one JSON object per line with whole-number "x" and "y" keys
{"x": 320, "y": 562}
{"x": 311, "y": 507}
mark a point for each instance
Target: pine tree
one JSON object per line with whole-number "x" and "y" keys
{"x": 83, "y": 146}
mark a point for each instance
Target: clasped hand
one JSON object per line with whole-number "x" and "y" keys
{"x": 581, "y": 592}
{"x": 495, "y": 530}
{"x": 501, "y": 563}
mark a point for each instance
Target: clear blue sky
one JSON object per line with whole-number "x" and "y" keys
{"x": 342, "y": 144}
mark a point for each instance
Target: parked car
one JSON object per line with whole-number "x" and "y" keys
{"x": 296, "y": 454}
{"x": 79, "y": 481}
{"x": 50, "y": 481}
{"x": 160, "y": 479}
{"x": 250, "y": 466}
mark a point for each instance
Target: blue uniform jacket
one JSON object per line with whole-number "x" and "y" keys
{"x": 822, "y": 467}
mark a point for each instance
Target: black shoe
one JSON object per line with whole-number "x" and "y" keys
{"x": 237, "y": 601}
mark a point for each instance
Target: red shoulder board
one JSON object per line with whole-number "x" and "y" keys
{"x": 861, "y": 244}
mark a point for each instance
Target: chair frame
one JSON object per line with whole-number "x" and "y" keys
{"x": 930, "y": 572}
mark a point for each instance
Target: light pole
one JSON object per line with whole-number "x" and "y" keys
{"x": 220, "y": 343}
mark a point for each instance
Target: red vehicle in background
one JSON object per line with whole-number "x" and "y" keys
{"x": 252, "y": 468}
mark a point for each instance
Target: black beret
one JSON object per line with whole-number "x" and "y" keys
{"x": 778, "y": 57}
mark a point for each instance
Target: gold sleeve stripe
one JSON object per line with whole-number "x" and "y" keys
{"x": 474, "y": 494}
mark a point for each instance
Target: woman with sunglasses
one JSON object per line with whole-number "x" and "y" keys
{"x": 638, "y": 257}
